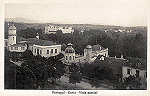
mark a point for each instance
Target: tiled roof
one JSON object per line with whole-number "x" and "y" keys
{"x": 97, "y": 47}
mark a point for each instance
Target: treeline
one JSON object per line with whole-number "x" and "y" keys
{"x": 130, "y": 45}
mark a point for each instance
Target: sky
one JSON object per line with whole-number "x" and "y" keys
{"x": 105, "y": 12}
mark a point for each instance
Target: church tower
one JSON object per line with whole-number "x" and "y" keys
{"x": 11, "y": 34}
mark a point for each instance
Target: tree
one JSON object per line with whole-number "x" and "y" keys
{"x": 75, "y": 77}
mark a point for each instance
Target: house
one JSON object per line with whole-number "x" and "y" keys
{"x": 52, "y": 29}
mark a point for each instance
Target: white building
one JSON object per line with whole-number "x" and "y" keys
{"x": 69, "y": 54}
{"x": 43, "y": 47}
{"x": 52, "y": 29}
{"x": 19, "y": 47}
{"x": 92, "y": 52}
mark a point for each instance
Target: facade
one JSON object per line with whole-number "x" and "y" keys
{"x": 69, "y": 54}
{"x": 52, "y": 29}
{"x": 46, "y": 51}
{"x": 20, "y": 47}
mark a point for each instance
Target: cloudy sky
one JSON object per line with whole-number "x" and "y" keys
{"x": 111, "y": 12}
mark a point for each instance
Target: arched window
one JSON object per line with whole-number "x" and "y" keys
{"x": 66, "y": 58}
{"x": 70, "y": 58}
{"x": 13, "y": 38}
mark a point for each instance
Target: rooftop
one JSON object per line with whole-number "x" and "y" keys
{"x": 40, "y": 42}
{"x": 36, "y": 41}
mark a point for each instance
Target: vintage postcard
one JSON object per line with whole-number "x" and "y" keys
{"x": 75, "y": 48}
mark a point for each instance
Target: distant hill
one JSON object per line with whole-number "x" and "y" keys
{"x": 21, "y": 24}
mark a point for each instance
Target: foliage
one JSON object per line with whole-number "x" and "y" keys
{"x": 130, "y": 82}
{"x": 75, "y": 77}
{"x": 129, "y": 44}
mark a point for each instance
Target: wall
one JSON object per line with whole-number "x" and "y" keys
{"x": 17, "y": 50}
{"x": 11, "y": 40}
{"x": 68, "y": 57}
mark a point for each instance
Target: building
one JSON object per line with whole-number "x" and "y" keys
{"x": 43, "y": 47}
{"x": 135, "y": 67}
{"x": 19, "y": 47}
{"x": 92, "y": 52}
{"x": 52, "y": 29}
{"x": 36, "y": 45}
{"x": 69, "y": 54}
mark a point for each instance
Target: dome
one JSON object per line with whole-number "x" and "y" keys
{"x": 12, "y": 27}
{"x": 88, "y": 46}
{"x": 69, "y": 49}
{"x": 69, "y": 44}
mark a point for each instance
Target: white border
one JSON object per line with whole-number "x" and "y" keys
{"x": 48, "y": 92}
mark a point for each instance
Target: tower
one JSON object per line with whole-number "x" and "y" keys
{"x": 11, "y": 34}
{"x": 88, "y": 53}
{"x": 69, "y": 54}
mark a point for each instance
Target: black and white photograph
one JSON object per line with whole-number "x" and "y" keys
{"x": 75, "y": 46}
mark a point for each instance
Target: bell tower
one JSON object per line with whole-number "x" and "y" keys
{"x": 11, "y": 34}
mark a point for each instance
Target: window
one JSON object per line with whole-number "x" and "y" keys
{"x": 128, "y": 71}
{"x": 11, "y": 48}
{"x": 73, "y": 57}
{"x": 37, "y": 51}
{"x": 22, "y": 48}
{"x": 34, "y": 50}
{"x": 47, "y": 51}
{"x": 55, "y": 50}
{"x": 40, "y": 51}
{"x": 137, "y": 73}
{"x": 16, "y": 48}
{"x": 66, "y": 58}
{"x": 145, "y": 74}
{"x": 70, "y": 58}
{"x": 13, "y": 38}
{"x": 51, "y": 50}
